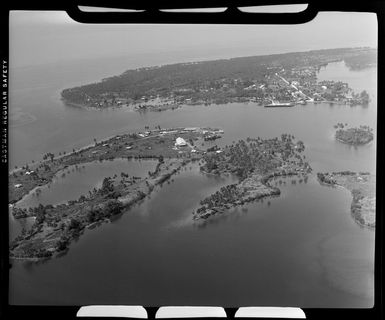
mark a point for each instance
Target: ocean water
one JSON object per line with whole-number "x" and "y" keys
{"x": 300, "y": 249}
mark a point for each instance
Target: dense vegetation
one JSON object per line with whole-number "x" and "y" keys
{"x": 362, "y": 186}
{"x": 255, "y": 161}
{"x": 355, "y": 136}
{"x": 197, "y": 80}
{"x": 362, "y": 61}
{"x": 255, "y": 155}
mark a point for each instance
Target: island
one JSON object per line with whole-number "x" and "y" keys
{"x": 277, "y": 79}
{"x": 255, "y": 161}
{"x": 354, "y": 136}
{"x": 362, "y": 186}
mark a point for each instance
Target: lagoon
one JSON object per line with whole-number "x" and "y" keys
{"x": 300, "y": 249}
{"x": 74, "y": 181}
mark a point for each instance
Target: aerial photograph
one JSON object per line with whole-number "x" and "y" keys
{"x": 192, "y": 164}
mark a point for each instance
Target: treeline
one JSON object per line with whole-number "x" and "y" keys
{"x": 355, "y": 136}
{"x": 133, "y": 84}
{"x": 246, "y": 156}
{"x": 361, "y": 61}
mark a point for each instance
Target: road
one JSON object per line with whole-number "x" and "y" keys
{"x": 293, "y": 86}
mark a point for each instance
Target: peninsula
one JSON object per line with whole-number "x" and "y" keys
{"x": 362, "y": 186}
{"x": 286, "y": 78}
{"x": 56, "y": 226}
{"x": 255, "y": 162}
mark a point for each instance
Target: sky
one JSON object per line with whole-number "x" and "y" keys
{"x": 42, "y": 37}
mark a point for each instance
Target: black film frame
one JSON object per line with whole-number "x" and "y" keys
{"x": 232, "y": 15}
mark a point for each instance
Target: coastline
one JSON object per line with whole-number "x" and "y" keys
{"x": 106, "y": 149}
{"x": 253, "y": 188}
{"x": 350, "y": 138}
{"x": 57, "y": 225}
{"x": 255, "y": 162}
{"x": 297, "y": 84}
{"x": 44, "y": 240}
{"x": 362, "y": 188}
{"x": 133, "y": 107}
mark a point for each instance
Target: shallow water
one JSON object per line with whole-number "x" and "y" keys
{"x": 300, "y": 249}
{"x": 72, "y": 182}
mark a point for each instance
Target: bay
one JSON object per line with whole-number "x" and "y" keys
{"x": 300, "y": 249}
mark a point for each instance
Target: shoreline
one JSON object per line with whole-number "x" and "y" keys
{"x": 44, "y": 241}
{"x": 133, "y": 107}
{"x": 255, "y": 162}
{"x": 362, "y": 189}
{"x": 57, "y": 225}
{"x": 109, "y": 148}
{"x": 63, "y": 169}
{"x": 257, "y": 186}
{"x": 297, "y": 83}
{"x": 355, "y": 136}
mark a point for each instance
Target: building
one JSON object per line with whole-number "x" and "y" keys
{"x": 180, "y": 142}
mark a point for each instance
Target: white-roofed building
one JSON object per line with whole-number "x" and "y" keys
{"x": 180, "y": 142}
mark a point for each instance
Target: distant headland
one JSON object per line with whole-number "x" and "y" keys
{"x": 286, "y": 78}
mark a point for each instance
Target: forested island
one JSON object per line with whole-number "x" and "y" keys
{"x": 289, "y": 77}
{"x": 362, "y": 186}
{"x": 255, "y": 162}
{"x": 354, "y": 136}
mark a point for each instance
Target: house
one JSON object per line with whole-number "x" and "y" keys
{"x": 19, "y": 185}
{"x": 180, "y": 142}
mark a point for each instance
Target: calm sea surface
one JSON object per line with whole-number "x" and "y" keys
{"x": 300, "y": 249}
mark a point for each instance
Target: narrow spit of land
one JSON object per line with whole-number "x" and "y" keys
{"x": 362, "y": 186}
{"x": 56, "y": 226}
{"x": 150, "y": 144}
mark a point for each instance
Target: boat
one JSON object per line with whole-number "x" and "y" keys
{"x": 279, "y": 104}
